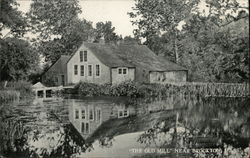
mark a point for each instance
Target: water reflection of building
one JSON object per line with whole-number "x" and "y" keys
{"x": 88, "y": 115}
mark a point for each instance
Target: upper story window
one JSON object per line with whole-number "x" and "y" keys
{"x": 75, "y": 69}
{"x": 76, "y": 114}
{"x": 91, "y": 114}
{"x": 81, "y": 56}
{"x": 85, "y": 56}
{"x": 124, "y": 71}
{"x": 90, "y": 70}
{"x": 119, "y": 71}
{"x": 83, "y": 114}
{"x": 82, "y": 70}
{"x": 97, "y": 70}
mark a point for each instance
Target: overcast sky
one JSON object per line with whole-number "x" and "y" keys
{"x": 105, "y": 10}
{"x": 102, "y": 10}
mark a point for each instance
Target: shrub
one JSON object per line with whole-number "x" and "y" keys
{"x": 90, "y": 89}
{"x": 24, "y": 87}
{"x": 9, "y": 95}
{"x": 127, "y": 88}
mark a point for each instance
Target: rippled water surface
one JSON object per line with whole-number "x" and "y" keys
{"x": 123, "y": 127}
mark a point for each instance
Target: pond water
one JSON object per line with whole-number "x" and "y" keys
{"x": 123, "y": 127}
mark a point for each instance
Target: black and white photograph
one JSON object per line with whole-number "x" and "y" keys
{"x": 124, "y": 79}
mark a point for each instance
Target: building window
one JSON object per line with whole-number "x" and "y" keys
{"x": 90, "y": 70}
{"x": 123, "y": 113}
{"x": 119, "y": 71}
{"x": 97, "y": 70}
{"x": 82, "y": 70}
{"x": 76, "y": 69}
{"x": 83, "y": 114}
{"x": 124, "y": 71}
{"x": 98, "y": 115}
{"x": 120, "y": 114}
{"x": 81, "y": 56}
{"x": 87, "y": 128}
{"x": 85, "y": 56}
{"x": 76, "y": 114}
{"x": 91, "y": 114}
{"x": 83, "y": 128}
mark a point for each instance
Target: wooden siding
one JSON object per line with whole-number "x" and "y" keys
{"x": 141, "y": 75}
{"x": 91, "y": 60}
{"x": 118, "y": 78}
{"x": 55, "y": 73}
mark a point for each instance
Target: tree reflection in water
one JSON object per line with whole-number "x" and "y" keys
{"x": 223, "y": 123}
{"x": 210, "y": 123}
{"x": 67, "y": 141}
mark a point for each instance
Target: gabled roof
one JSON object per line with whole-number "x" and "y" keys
{"x": 38, "y": 85}
{"x": 62, "y": 61}
{"x": 131, "y": 55}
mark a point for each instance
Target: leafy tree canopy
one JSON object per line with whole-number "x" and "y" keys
{"x": 11, "y": 18}
{"x": 53, "y": 17}
{"x": 60, "y": 29}
{"x": 106, "y": 31}
{"x": 17, "y": 59}
{"x": 213, "y": 46}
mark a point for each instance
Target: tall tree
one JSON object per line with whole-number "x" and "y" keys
{"x": 210, "y": 45}
{"x": 59, "y": 27}
{"x": 157, "y": 16}
{"x": 17, "y": 59}
{"x": 53, "y": 17}
{"x": 11, "y": 18}
{"x": 106, "y": 31}
{"x": 216, "y": 53}
{"x": 131, "y": 40}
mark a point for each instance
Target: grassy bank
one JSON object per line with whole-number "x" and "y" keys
{"x": 130, "y": 89}
{"x": 15, "y": 90}
{"x": 137, "y": 90}
{"x": 9, "y": 95}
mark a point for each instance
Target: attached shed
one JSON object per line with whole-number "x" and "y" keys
{"x": 57, "y": 73}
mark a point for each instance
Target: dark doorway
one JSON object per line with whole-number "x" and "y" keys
{"x": 40, "y": 94}
{"x": 48, "y": 93}
{"x": 63, "y": 81}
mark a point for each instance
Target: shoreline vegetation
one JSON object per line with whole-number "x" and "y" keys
{"x": 139, "y": 90}
{"x": 14, "y": 91}
{"x": 22, "y": 90}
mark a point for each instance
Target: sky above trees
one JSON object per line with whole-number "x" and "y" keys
{"x": 59, "y": 27}
{"x": 102, "y": 10}
{"x": 107, "y": 10}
